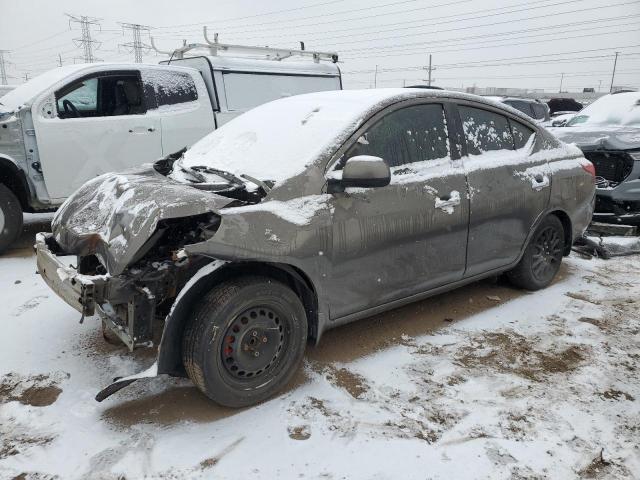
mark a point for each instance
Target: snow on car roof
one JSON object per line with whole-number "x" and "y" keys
{"x": 28, "y": 91}
{"x": 613, "y": 109}
{"x": 279, "y": 139}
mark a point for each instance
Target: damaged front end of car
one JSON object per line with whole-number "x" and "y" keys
{"x": 128, "y": 302}
{"x": 117, "y": 250}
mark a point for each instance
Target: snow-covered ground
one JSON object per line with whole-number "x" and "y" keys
{"x": 484, "y": 382}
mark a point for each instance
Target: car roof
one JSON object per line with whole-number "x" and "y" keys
{"x": 25, "y": 93}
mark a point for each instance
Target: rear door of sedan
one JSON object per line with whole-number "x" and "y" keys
{"x": 392, "y": 242}
{"x": 509, "y": 185}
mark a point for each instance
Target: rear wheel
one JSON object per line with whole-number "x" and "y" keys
{"x": 245, "y": 340}
{"x": 542, "y": 257}
{"x": 10, "y": 218}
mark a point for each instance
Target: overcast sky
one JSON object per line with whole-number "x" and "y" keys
{"x": 513, "y": 43}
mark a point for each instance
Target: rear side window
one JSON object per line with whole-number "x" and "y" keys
{"x": 539, "y": 111}
{"x": 485, "y": 131}
{"x": 521, "y": 133}
{"x": 524, "y": 107}
{"x": 244, "y": 91}
{"x": 411, "y": 134}
{"x": 175, "y": 87}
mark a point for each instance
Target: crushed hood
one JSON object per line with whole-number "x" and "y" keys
{"x": 114, "y": 214}
{"x": 603, "y": 138}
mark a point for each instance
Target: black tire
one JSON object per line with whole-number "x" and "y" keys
{"x": 10, "y": 218}
{"x": 542, "y": 257}
{"x": 245, "y": 340}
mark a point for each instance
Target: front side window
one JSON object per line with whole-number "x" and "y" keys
{"x": 411, "y": 134}
{"x": 103, "y": 95}
{"x": 485, "y": 131}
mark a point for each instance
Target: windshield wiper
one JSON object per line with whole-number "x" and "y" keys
{"x": 230, "y": 177}
{"x": 265, "y": 188}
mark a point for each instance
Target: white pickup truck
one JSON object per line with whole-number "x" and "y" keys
{"x": 76, "y": 122}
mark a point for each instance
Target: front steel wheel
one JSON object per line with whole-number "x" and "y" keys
{"x": 542, "y": 257}
{"x": 245, "y": 340}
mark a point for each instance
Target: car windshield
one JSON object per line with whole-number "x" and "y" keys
{"x": 611, "y": 110}
{"x": 278, "y": 140}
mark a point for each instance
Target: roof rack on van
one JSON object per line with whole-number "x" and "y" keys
{"x": 271, "y": 53}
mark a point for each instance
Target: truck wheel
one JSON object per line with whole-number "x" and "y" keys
{"x": 245, "y": 340}
{"x": 542, "y": 257}
{"x": 10, "y": 218}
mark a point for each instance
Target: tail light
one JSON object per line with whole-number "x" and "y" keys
{"x": 588, "y": 167}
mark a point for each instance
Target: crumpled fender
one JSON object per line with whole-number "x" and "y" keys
{"x": 166, "y": 362}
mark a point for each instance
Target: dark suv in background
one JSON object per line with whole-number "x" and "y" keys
{"x": 529, "y": 106}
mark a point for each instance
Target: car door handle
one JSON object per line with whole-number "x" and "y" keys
{"x": 539, "y": 182}
{"x": 141, "y": 130}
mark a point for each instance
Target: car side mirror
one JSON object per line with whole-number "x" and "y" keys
{"x": 363, "y": 171}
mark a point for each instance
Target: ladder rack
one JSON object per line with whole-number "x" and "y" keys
{"x": 214, "y": 47}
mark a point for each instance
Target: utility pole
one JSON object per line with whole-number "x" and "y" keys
{"x": 86, "y": 42}
{"x": 561, "y": 79}
{"x": 429, "y": 70}
{"x": 599, "y": 85}
{"x": 3, "y": 67}
{"x": 613, "y": 74}
{"x": 375, "y": 78}
{"x": 136, "y": 45}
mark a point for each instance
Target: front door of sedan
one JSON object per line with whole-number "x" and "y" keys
{"x": 509, "y": 186}
{"x": 97, "y": 123}
{"x": 392, "y": 242}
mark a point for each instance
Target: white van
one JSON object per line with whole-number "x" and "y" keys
{"x": 76, "y": 122}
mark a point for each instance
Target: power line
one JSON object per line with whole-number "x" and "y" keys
{"x": 469, "y": 64}
{"x": 474, "y": 38}
{"x": 315, "y": 17}
{"x": 136, "y": 45}
{"x": 483, "y": 45}
{"x": 528, "y": 18}
{"x": 258, "y": 15}
{"x": 86, "y": 41}
{"x": 27, "y": 45}
{"x": 404, "y": 24}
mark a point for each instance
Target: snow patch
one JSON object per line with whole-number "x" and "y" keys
{"x": 298, "y": 211}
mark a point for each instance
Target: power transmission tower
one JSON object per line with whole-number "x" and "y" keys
{"x": 86, "y": 42}
{"x": 137, "y": 46}
{"x": 3, "y": 67}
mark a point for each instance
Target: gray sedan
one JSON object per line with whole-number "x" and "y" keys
{"x": 307, "y": 213}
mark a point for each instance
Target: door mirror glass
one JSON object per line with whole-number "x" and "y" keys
{"x": 363, "y": 171}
